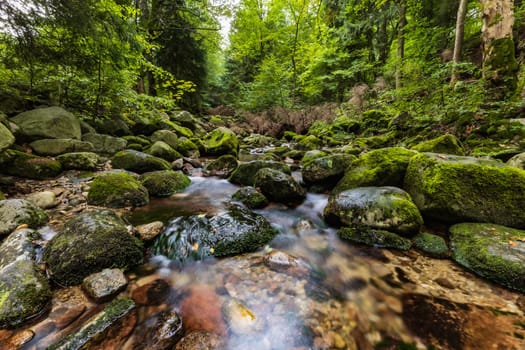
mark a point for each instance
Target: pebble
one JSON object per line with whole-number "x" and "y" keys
{"x": 104, "y": 285}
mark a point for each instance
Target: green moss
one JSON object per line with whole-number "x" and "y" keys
{"x": 373, "y": 121}
{"x": 29, "y": 166}
{"x": 250, "y": 197}
{"x": 432, "y": 245}
{"x": 309, "y": 143}
{"x": 180, "y": 130}
{"x": 138, "y": 162}
{"x": 79, "y": 160}
{"x": 245, "y": 172}
{"x": 279, "y": 187}
{"x": 2, "y": 196}
{"x": 376, "y": 238}
{"x": 447, "y": 144}
{"x": 382, "y": 167}
{"x": 221, "y": 141}
{"x": 140, "y": 140}
{"x": 459, "y": 189}
{"x": 311, "y": 155}
{"x": 222, "y": 166}
{"x": 289, "y": 135}
{"x": 116, "y": 190}
{"x": 187, "y": 148}
{"x": 500, "y": 71}
{"x": 163, "y": 150}
{"x": 164, "y": 183}
{"x": 492, "y": 251}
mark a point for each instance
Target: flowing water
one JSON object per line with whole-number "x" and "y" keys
{"x": 334, "y": 295}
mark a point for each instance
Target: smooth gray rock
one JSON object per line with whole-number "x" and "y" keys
{"x": 15, "y": 212}
{"x": 48, "y": 123}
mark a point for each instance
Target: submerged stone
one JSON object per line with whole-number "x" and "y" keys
{"x": 456, "y": 189}
{"x": 279, "y": 187}
{"x": 15, "y": 212}
{"x": 196, "y": 237}
{"x": 491, "y": 251}
{"x": 163, "y": 334}
{"x": 89, "y": 243}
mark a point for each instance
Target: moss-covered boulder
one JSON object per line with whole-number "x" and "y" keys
{"x": 6, "y": 138}
{"x": 326, "y": 171}
{"x": 379, "y": 208}
{"x": 492, "y": 251}
{"x": 517, "y": 161}
{"x": 18, "y": 246}
{"x": 117, "y": 190}
{"x": 166, "y": 136}
{"x": 89, "y": 243}
{"x": 257, "y": 140}
{"x": 138, "y": 162}
{"x": 308, "y": 143}
{"x": 309, "y": 156}
{"x": 55, "y": 147}
{"x": 279, "y": 187}
{"x": 382, "y": 167}
{"x": 162, "y": 150}
{"x": 245, "y": 172}
{"x": 375, "y": 238}
{"x": 164, "y": 183}
{"x": 185, "y": 119}
{"x": 143, "y": 141}
{"x": 179, "y": 129}
{"x": 105, "y": 144}
{"x": 105, "y": 326}
{"x": 16, "y": 212}
{"x": 29, "y": 166}
{"x": 432, "y": 245}
{"x": 250, "y": 197}
{"x": 456, "y": 189}
{"x": 79, "y": 160}
{"x": 196, "y": 237}
{"x": 222, "y": 166}
{"x": 221, "y": 141}
{"x": 187, "y": 147}
{"x": 373, "y": 121}
{"x": 447, "y": 144}
{"x": 47, "y": 123}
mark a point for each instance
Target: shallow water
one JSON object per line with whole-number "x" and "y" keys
{"x": 338, "y": 295}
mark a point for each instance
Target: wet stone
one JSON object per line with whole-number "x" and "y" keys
{"x": 283, "y": 262}
{"x": 163, "y": 334}
{"x": 148, "y": 232}
{"x": 65, "y": 315}
{"x": 44, "y": 200}
{"x": 18, "y": 340}
{"x": 15, "y": 212}
{"x": 240, "y": 319}
{"x": 153, "y": 293}
{"x": 102, "y": 286}
{"x": 201, "y": 340}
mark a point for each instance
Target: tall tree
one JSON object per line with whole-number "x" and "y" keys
{"x": 458, "y": 42}
{"x": 401, "y": 42}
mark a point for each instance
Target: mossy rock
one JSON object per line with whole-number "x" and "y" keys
{"x": 294, "y": 154}
{"x": 47, "y": 123}
{"x": 431, "y": 245}
{"x": 117, "y": 190}
{"x": 257, "y": 140}
{"x": 375, "y": 238}
{"x": 221, "y": 141}
{"x": 166, "y": 136}
{"x": 289, "y": 135}
{"x": 491, "y": 251}
{"x": 196, "y": 237}
{"x": 222, "y": 166}
{"x": 139, "y": 140}
{"x": 55, "y": 147}
{"x": 185, "y": 119}
{"x": 100, "y": 327}
{"x": 89, "y": 243}
{"x": 16, "y": 212}
{"x": 162, "y": 150}
{"x": 164, "y": 183}
{"x": 6, "y": 138}
{"x": 251, "y": 198}
{"x": 378, "y": 208}
{"x": 19, "y": 245}
{"x": 455, "y": 189}
{"x": 279, "y": 187}
{"x": 245, "y": 172}
{"x": 179, "y": 130}
{"x": 517, "y": 161}
{"x": 138, "y": 162}
{"x": 373, "y": 121}
{"x": 187, "y": 147}
{"x": 24, "y": 293}
{"x": 447, "y": 144}
{"x": 310, "y": 156}
{"x": 105, "y": 144}
{"x": 29, "y": 166}
{"x": 79, "y": 160}
{"x": 382, "y": 167}
{"x": 326, "y": 171}
{"x": 386, "y": 139}
{"x": 309, "y": 143}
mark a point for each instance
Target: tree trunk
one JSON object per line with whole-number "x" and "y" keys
{"x": 400, "y": 42}
{"x": 458, "y": 43}
{"x": 500, "y": 67}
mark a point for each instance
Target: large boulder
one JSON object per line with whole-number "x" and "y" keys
{"x": 162, "y": 150}
{"x": 16, "y": 212}
{"x": 55, "y": 147}
{"x": 29, "y": 166}
{"x": 326, "y": 171}
{"x": 166, "y": 136}
{"x": 6, "y": 138}
{"x": 457, "y": 189}
{"x": 250, "y": 197}
{"x": 117, "y": 190}
{"x": 79, "y": 160}
{"x": 222, "y": 166}
{"x": 25, "y": 291}
{"x": 89, "y": 243}
{"x": 138, "y": 162}
{"x": 221, "y": 141}
{"x": 245, "y": 172}
{"x": 187, "y": 147}
{"x": 376, "y": 208}
{"x": 163, "y": 183}
{"x": 447, "y": 144}
{"x": 492, "y": 251}
{"x": 196, "y": 237}
{"x": 105, "y": 144}
{"x": 517, "y": 161}
{"x": 382, "y": 167}
{"x": 279, "y": 187}
{"x": 48, "y": 123}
